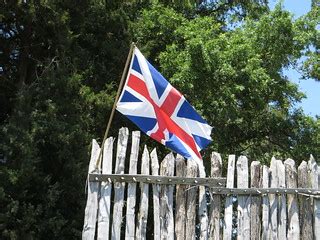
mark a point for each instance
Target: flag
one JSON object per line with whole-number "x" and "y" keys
{"x": 161, "y": 111}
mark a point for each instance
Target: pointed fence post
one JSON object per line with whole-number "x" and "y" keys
{"x": 243, "y": 200}
{"x": 141, "y": 230}
{"x": 166, "y": 200}
{"x": 282, "y": 220}
{"x": 215, "y": 200}
{"x": 203, "y": 211}
{"x": 313, "y": 181}
{"x": 90, "y": 217}
{"x": 156, "y": 194}
{"x": 192, "y": 171}
{"x": 273, "y": 199}
{"x": 255, "y": 216}
{"x": 105, "y": 192}
{"x": 119, "y": 186}
{"x": 180, "y": 213}
{"x": 227, "y": 227}
{"x": 131, "y": 198}
{"x": 293, "y": 210}
{"x": 265, "y": 204}
{"x": 305, "y": 209}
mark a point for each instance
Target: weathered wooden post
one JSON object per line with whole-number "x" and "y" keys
{"x": 313, "y": 183}
{"x": 282, "y": 220}
{"x": 119, "y": 186}
{"x": 192, "y": 171}
{"x": 141, "y": 230}
{"x": 305, "y": 210}
{"x": 90, "y": 216}
{"x": 255, "y": 209}
{"x": 131, "y": 198}
{"x": 227, "y": 229}
{"x": 105, "y": 192}
{"x": 243, "y": 200}
{"x": 215, "y": 201}
{"x": 156, "y": 194}
{"x": 166, "y": 199}
{"x": 265, "y": 204}
{"x": 293, "y": 210}
{"x": 180, "y": 213}
{"x": 273, "y": 199}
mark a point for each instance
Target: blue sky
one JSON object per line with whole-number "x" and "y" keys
{"x": 310, "y": 105}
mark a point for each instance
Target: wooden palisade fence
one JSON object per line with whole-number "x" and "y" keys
{"x": 171, "y": 201}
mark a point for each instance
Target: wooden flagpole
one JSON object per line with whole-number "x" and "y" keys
{"x": 123, "y": 77}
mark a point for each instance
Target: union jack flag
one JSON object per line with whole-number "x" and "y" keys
{"x": 160, "y": 111}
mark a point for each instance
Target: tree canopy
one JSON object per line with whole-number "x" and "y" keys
{"x": 60, "y": 65}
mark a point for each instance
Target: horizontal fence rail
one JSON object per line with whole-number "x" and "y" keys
{"x": 196, "y": 181}
{"x": 140, "y": 197}
{"x": 140, "y": 178}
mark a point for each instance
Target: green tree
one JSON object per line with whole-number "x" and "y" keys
{"x": 51, "y": 115}
{"x": 234, "y": 76}
{"x": 309, "y": 36}
{"x": 30, "y": 36}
